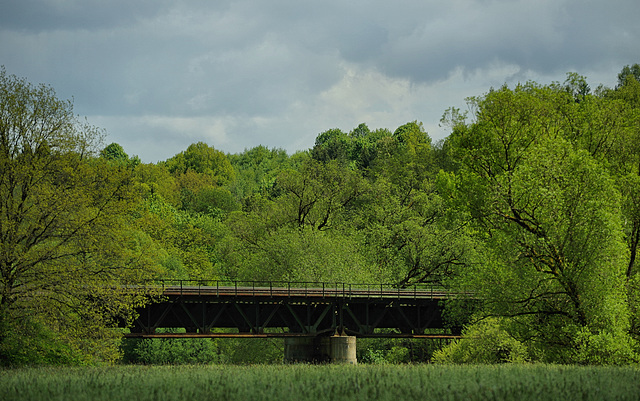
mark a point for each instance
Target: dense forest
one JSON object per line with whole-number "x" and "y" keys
{"x": 532, "y": 204}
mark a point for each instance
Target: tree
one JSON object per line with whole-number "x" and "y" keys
{"x": 358, "y": 149}
{"x": 364, "y": 146}
{"x": 256, "y": 170}
{"x": 202, "y": 159}
{"x": 317, "y": 194}
{"x": 625, "y": 165}
{"x": 332, "y": 144}
{"x": 62, "y": 236}
{"x": 114, "y": 152}
{"x": 414, "y": 237}
{"x": 486, "y": 343}
{"x": 155, "y": 180}
{"x": 629, "y": 72}
{"x": 303, "y": 229}
{"x": 187, "y": 239}
{"x": 549, "y": 214}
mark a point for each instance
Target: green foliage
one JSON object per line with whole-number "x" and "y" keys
{"x": 550, "y": 217}
{"x": 203, "y": 159}
{"x": 485, "y": 342}
{"x": 605, "y": 348}
{"x": 358, "y": 149}
{"x": 256, "y": 170}
{"x": 215, "y": 201}
{"x": 531, "y": 205}
{"x": 576, "y": 85}
{"x": 412, "y": 235}
{"x": 303, "y": 232}
{"x": 326, "y": 218}
{"x": 289, "y": 254}
{"x": 382, "y": 351}
{"x": 173, "y": 351}
{"x": 186, "y": 351}
{"x": 188, "y": 240}
{"x": 156, "y": 181}
{"x": 114, "y": 152}
{"x": 627, "y": 73}
{"x": 331, "y": 145}
{"x": 413, "y": 136}
{"x": 199, "y": 194}
{"x": 62, "y": 229}
{"x": 29, "y": 343}
{"x": 250, "y": 351}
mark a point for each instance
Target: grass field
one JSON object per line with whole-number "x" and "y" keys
{"x": 328, "y": 382}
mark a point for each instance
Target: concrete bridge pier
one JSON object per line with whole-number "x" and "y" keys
{"x": 334, "y": 349}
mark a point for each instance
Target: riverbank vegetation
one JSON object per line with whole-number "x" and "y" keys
{"x": 531, "y": 204}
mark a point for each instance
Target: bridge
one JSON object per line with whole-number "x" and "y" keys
{"x": 310, "y": 316}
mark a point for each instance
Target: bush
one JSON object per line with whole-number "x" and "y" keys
{"x": 485, "y": 342}
{"x": 604, "y": 348}
{"x": 26, "y": 342}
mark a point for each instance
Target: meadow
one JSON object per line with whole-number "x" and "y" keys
{"x": 325, "y": 382}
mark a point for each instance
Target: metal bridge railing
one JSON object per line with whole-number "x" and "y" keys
{"x": 302, "y": 288}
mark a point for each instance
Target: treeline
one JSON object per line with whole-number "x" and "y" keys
{"x": 531, "y": 204}
{"x": 359, "y": 207}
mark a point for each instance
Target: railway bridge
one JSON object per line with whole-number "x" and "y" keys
{"x": 318, "y": 321}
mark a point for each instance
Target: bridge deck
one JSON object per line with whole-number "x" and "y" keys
{"x": 286, "y": 310}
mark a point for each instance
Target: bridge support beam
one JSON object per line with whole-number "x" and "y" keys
{"x": 335, "y": 349}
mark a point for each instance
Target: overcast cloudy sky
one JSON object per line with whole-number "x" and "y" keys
{"x": 159, "y": 75}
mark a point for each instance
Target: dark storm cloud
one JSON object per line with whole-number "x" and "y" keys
{"x": 45, "y": 15}
{"x": 546, "y": 37}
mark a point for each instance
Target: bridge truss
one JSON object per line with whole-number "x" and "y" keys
{"x": 294, "y": 310}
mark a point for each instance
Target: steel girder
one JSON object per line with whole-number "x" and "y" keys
{"x": 293, "y": 315}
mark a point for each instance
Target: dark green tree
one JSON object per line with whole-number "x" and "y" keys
{"x": 628, "y": 72}
{"x": 115, "y": 152}
{"x": 332, "y": 144}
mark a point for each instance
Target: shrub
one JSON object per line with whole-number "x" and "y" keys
{"x": 604, "y": 348}
{"x": 484, "y": 342}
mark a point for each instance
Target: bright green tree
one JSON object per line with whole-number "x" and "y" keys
{"x": 62, "y": 231}
{"x": 358, "y": 149}
{"x": 202, "y": 159}
{"x": 414, "y": 236}
{"x": 114, "y": 152}
{"x": 550, "y": 218}
{"x": 256, "y": 170}
{"x": 624, "y": 159}
{"x": 625, "y": 166}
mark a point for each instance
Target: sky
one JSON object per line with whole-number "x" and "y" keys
{"x": 159, "y": 75}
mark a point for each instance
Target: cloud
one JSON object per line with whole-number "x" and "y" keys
{"x": 160, "y": 74}
{"x": 48, "y": 15}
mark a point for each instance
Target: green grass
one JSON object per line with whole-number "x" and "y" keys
{"x": 328, "y": 382}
